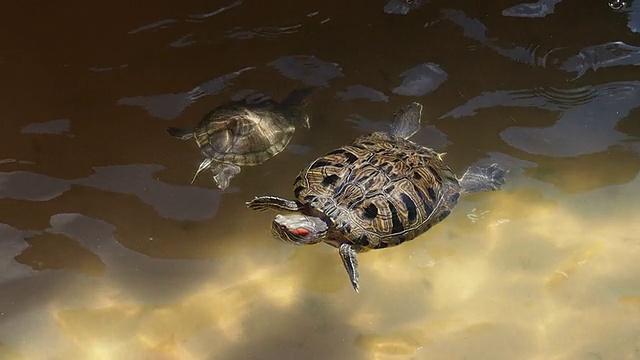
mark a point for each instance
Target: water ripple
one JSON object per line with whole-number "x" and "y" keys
{"x": 153, "y": 26}
{"x": 215, "y": 12}
{"x": 183, "y": 41}
{"x": 587, "y": 123}
{"x": 308, "y": 69}
{"x": 566, "y": 98}
{"x": 472, "y": 28}
{"x": 362, "y": 92}
{"x": 269, "y": 32}
{"x": 402, "y": 7}
{"x": 538, "y": 9}
{"x": 602, "y": 56}
{"x": 170, "y": 106}
{"x": 170, "y": 201}
{"x": 421, "y": 80}
{"x": 12, "y": 244}
{"x": 60, "y": 126}
{"x": 590, "y": 58}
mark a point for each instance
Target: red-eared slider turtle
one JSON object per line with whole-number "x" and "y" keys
{"x": 245, "y": 133}
{"x": 378, "y": 192}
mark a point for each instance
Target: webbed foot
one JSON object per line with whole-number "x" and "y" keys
{"x": 223, "y": 173}
{"x": 486, "y": 178}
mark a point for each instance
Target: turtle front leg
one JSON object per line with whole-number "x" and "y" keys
{"x": 348, "y": 256}
{"x": 273, "y": 203}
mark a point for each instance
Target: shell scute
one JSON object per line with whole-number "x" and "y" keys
{"x": 383, "y": 187}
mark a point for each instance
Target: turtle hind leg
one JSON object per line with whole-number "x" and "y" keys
{"x": 348, "y": 256}
{"x": 178, "y": 133}
{"x": 487, "y": 178}
{"x": 406, "y": 120}
{"x": 205, "y": 164}
{"x": 273, "y": 203}
{"x": 223, "y": 173}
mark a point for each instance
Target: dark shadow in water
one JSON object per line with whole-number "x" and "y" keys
{"x": 132, "y": 272}
{"x": 589, "y": 172}
{"x": 310, "y": 330}
{"x": 83, "y": 245}
{"x": 55, "y": 252}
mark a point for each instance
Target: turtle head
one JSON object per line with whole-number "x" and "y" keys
{"x": 299, "y": 229}
{"x": 298, "y": 117}
{"x": 295, "y": 103}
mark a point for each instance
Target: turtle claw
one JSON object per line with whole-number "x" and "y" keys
{"x": 348, "y": 256}
{"x": 256, "y": 205}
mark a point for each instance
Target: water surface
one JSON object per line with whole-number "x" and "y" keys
{"x": 107, "y": 250}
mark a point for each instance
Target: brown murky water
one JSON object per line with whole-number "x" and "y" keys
{"x": 108, "y": 252}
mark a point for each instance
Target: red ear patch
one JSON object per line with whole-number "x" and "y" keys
{"x": 300, "y": 231}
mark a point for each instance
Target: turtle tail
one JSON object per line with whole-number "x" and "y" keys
{"x": 180, "y": 133}
{"x": 487, "y": 178}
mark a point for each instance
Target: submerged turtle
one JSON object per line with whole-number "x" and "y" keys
{"x": 378, "y": 192}
{"x": 245, "y": 133}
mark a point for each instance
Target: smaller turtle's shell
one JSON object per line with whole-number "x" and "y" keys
{"x": 243, "y": 135}
{"x": 379, "y": 191}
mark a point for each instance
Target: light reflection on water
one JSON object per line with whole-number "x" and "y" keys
{"x": 108, "y": 252}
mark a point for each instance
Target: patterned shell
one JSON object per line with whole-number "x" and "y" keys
{"x": 243, "y": 135}
{"x": 379, "y": 191}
